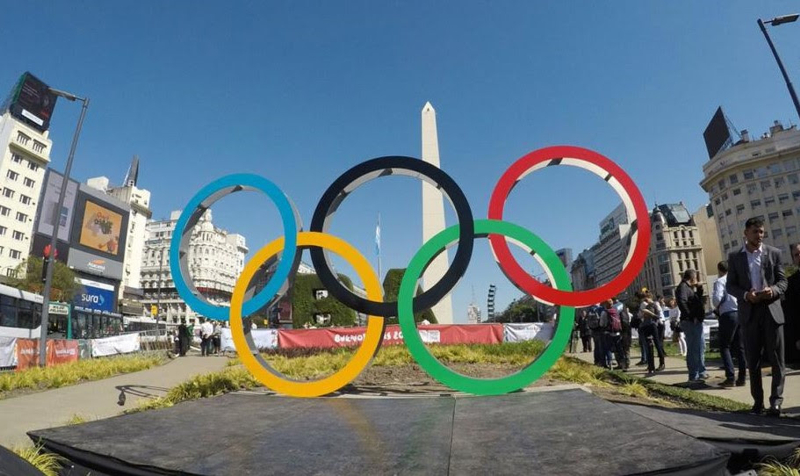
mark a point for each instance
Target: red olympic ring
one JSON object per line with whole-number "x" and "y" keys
{"x": 597, "y": 164}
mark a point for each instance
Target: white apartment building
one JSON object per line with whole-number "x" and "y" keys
{"x": 139, "y": 201}
{"x": 758, "y": 178}
{"x": 611, "y": 250}
{"x": 216, "y": 258}
{"x": 675, "y": 246}
{"x": 24, "y": 156}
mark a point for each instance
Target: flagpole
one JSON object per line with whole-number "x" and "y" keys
{"x": 380, "y": 267}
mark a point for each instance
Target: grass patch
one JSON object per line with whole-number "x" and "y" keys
{"x": 672, "y": 350}
{"x": 313, "y": 364}
{"x": 48, "y": 463}
{"x": 38, "y": 378}
{"x": 684, "y": 396}
{"x": 773, "y": 467}
{"x": 76, "y": 419}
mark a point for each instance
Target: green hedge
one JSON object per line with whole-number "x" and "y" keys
{"x": 305, "y": 304}
{"x": 391, "y": 286}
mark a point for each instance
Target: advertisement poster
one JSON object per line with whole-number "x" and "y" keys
{"x": 96, "y": 296}
{"x": 101, "y": 228}
{"x": 53, "y": 184}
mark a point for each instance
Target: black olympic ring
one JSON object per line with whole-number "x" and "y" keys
{"x": 363, "y": 173}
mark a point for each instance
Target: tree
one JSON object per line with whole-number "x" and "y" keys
{"x": 29, "y": 279}
{"x": 305, "y": 305}
{"x": 391, "y": 287}
{"x": 524, "y": 309}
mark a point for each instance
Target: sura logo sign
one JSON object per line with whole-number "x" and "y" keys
{"x": 95, "y": 295}
{"x": 93, "y": 299}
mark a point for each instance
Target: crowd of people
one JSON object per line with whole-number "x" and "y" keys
{"x": 208, "y": 333}
{"x": 747, "y": 298}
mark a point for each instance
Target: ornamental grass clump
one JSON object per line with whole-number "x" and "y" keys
{"x": 37, "y": 378}
{"x": 48, "y": 463}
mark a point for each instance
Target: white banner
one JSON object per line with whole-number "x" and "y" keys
{"x": 8, "y": 351}
{"x": 262, "y": 338}
{"x": 121, "y": 344}
{"x": 529, "y": 331}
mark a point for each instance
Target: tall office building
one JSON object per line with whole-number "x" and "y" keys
{"x": 433, "y": 215}
{"x": 757, "y": 178}
{"x": 24, "y": 155}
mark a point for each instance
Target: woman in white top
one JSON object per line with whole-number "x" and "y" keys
{"x": 675, "y": 325}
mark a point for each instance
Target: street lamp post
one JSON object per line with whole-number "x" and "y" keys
{"x": 48, "y": 282}
{"x": 775, "y": 22}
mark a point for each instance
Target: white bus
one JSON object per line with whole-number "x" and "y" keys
{"x": 20, "y": 313}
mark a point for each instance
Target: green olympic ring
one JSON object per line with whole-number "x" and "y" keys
{"x": 451, "y": 378}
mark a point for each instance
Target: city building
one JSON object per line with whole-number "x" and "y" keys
{"x": 433, "y": 215}
{"x": 582, "y": 270}
{"x": 24, "y": 156}
{"x": 675, "y": 246}
{"x": 473, "y": 314}
{"x": 611, "y": 250}
{"x": 757, "y": 178}
{"x": 139, "y": 201}
{"x": 565, "y": 255}
{"x": 215, "y": 258}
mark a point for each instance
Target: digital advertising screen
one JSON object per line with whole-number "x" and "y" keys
{"x": 101, "y": 229}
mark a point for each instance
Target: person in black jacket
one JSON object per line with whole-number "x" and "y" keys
{"x": 791, "y": 310}
{"x": 757, "y": 281}
{"x": 689, "y": 295}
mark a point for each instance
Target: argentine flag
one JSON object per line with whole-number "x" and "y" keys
{"x": 378, "y": 237}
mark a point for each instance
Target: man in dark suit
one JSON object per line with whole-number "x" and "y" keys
{"x": 756, "y": 279}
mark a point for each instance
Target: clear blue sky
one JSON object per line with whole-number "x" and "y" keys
{"x": 301, "y": 92}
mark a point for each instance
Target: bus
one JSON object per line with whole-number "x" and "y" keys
{"x": 20, "y": 313}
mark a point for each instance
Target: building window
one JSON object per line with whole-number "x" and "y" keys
{"x": 7, "y": 192}
{"x": 727, "y": 212}
{"x": 18, "y": 235}
{"x": 717, "y": 202}
{"x": 733, "y": 179}
{"x": 659, "y": 237}
{"x": 791, "y": 230}
{"x": 777, "y": 232}
{"x": 765, "y": 184}
{"x": 22, "y": 138}
{"x": 751, "y": 188}
{"x": 735, "y": 243}
{"x": 721, "y": 184}
{"x": 12, "y": 175}
{"x": 748, "y": 174}
{"x": 16, "y": 158}
{"x": 739, "y": 209}
{"x": 4, "y": 211}
{"x": 783, "y": 198}
{"x": 22, "y": 217}
{"x": 789, "y": 165}
{"x": 3, "y": 230}
{"x": 15, "y": 254}
{"x": 737, "y": 191}
{"x": 774, "y": 168}
{"x": 724, "y": 196}
{"x": 779, "y": 182}
{"x": 769, "y": 201}
{"x": 787, "y": 213}
{"x": 773, "y": 216}
{"x": 755, "y": 203}
{"x": 25, "y": 199}
{"x": 28, "y": 182}
{"x": 38, "y": 146}
{"x": 761, "y": 172}
{"x": 33, "y": 166}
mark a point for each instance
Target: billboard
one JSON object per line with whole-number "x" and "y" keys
{"x": 31, "y": 102}
{"x": 48, "y": 202}
{"x": 99, "y": 225}
{"x": 95, "y": 295}
{"x": 717, "y": 135}
{"x": 101, "y": 228}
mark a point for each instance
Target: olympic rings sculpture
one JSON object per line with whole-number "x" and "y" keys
{"x": 317, "y": 240}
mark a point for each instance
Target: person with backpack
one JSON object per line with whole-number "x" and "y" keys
{"x": 593, "y": 323}
{"x": 611, "y": 324}
{"x": 585, "y": 333}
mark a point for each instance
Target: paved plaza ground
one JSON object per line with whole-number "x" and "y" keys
{"x": 95, "y": 400}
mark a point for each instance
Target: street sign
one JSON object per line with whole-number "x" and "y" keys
{"x": 58, "y": 308}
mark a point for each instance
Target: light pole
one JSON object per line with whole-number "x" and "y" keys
{"x": 775, "y": 22}
{"x": 48, "y": 282}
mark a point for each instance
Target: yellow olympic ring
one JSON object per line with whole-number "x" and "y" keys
{"x": 256, "y": 364}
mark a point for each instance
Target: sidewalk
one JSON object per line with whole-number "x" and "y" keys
{"x": 676, "y": 373}
{"x": 95, "y": 400}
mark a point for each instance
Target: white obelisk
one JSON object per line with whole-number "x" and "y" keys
{"x": 433, "y": 214}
